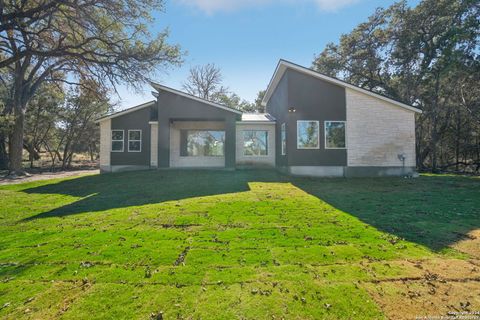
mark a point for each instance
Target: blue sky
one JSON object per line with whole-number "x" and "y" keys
{"x": 246, "y": 38}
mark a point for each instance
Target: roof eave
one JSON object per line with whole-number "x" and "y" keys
{"x": 123, "y": 112}
{"x": 255, "y": 122}
{"x": 159, "y": 87}
{"x": 268, "y": 94}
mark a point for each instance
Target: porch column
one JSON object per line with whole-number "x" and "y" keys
{"x": 163, "y": 142}
{"x": 230, "y": 143}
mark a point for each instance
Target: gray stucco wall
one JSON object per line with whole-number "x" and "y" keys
{"x": 278, "y": 107}
{"x": 313, "y": 99}
{"x": 173, "y": 107}
{"x": 137, "y": 120}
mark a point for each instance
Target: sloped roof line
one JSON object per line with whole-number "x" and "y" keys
{"x": 159, "y": 87}
{"x": 125, "y": 111}
{"x": 283, "y": 65}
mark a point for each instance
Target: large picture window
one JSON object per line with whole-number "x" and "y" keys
{"x": 134, "y": 140}
{"x": 335, "y": 135}
{"x": 308, "y": 134}
{"x": 117, "y": 140}
{"x": 255, "y": 142}
{"x": 283, "y": 135}
{"x": 202, "y": 143}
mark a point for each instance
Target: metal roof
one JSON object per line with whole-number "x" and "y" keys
{"x": 260, "y": 117}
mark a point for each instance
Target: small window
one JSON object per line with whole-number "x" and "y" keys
{"x": 134, "y": 140}
{"x": 255, "y": 143}
{"x": 308, "y": 136}
{"x": 335, "y": 135}
{"x": 202, "y": 143}
{"x": 284, "y": 139}
{"x": 117, "y": 140}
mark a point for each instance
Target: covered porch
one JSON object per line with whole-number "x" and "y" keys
{"x": 198, "y": 144}
{"x": 192, "y": 132}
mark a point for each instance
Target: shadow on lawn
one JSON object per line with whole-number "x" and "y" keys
{"x": 109, "y": 191}
{"x": 433, "y": 211}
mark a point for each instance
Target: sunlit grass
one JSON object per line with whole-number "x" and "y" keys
{"x": 201, "y": 244}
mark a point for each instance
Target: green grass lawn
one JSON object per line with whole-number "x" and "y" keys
{"x": 231, "y": 245}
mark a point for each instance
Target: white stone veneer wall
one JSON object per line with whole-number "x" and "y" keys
{"x": 154, "y": 144}
{"x": 105, "y": 143}
{"x": 378, "y": 131}
{"x": 269, "y": 159}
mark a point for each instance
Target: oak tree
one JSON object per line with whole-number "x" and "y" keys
{"x": 76, "y": 42}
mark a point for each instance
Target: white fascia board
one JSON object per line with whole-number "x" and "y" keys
{"x": 256, "y": 122}
{"x": 126, "y": 111}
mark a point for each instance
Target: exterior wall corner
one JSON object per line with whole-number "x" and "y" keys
{"x": 378, "y": 132}
{"x": 105, "y": 143}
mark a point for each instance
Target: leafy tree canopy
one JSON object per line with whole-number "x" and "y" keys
{"x": 427, "y": 56}
{"x": 78, "y": 42}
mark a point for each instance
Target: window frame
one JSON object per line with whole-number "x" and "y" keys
{"x": 111, "y": 140}
{"x": 202, "y": 130}
{"x": 128, "y": 139}
{"x": 283, "y": 132}
{"x": 266, "y": 143}
{"x": 325, "y": 134}
{"x": 318, "y": 142}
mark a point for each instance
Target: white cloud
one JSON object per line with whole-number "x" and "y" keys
{"x": 332, "y": 5}
{"x": 212, "y": 6}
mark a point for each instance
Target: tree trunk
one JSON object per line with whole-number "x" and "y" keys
{"x": 477, "y": 143}
{"x": 91, "y": 151}
{"x": 457, "y": 140}
{"x": 70, "y": 158}
{"x": 16, "y": 142}
{"x": 32, "y": 153}
{"x": 56, "y": 156}
{"x": 433, "y": 150}
{"x": 66, "y": 161}
{"x": 52, "y": 155}
{"x": 66, "y": 153}
{"x": 434, "y": 138}
{"x": 30, "y": 158}
{"x": 3, "y": 152}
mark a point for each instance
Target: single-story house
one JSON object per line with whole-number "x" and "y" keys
{"x": 314, "y": 125}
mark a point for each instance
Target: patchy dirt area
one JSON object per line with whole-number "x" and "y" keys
{"x": 471, "y": 245}
{"x": 433, "y": 288}
{"x": 425, "y": 299}
{"x": 46, "y": 176}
